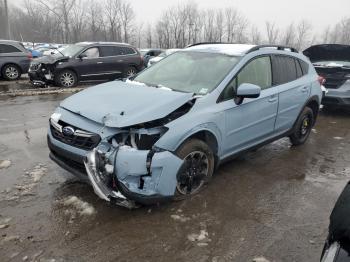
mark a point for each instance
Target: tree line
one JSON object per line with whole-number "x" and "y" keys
{"x": 69, "y": 21}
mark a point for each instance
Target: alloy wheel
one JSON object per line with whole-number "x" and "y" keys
{"x": 67, "y": 79}
{"x": 130, "y": 72}
{"x": 11, "y": 72}
{"x": 194, "y": 173}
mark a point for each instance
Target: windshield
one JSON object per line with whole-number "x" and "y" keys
{"x": 70, "y": 50}
{"x": 193, "y": 72}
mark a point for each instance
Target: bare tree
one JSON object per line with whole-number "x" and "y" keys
{"x": 303, "y": 34}
{"x": 288, "y": 38}
{"x": 255, "y": 35}
{"x": 272, "y": 33}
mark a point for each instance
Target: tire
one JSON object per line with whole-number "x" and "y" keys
{"x": 193, "y": 175}
{"x": 11, "y": 72}
{"x": 129, "y": 72}
{"x": 302, "y": 127}
{"x": 66, "y": 78}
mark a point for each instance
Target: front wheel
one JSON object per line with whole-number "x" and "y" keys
{"x": 67, "y": 78}
{"x": 197, "y": 168}
{"x": 302, "y": 128}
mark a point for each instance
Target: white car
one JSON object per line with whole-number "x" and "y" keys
{"x": 161, "y": 56}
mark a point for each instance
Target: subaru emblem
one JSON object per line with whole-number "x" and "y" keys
{"x": 68, "y": 131}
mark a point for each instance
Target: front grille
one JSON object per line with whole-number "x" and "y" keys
{"x": 81, "y": 139}
{"x": 34, "y": 67}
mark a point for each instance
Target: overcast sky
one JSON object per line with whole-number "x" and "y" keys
{"x": 320, "y": 13}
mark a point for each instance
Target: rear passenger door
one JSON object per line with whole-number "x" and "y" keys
{"x": 112, "y": 63}
{"x": 294, "y": 90}
{"x": 252, "y": 121}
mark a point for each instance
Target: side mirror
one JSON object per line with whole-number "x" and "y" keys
{"x": 246, "y": 90}
{"x": 82, "y": 56}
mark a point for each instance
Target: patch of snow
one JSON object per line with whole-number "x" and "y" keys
{"x": 338, "y": 138}
{"x": 134, "y": 82}
{"x": 3, "y": 226}
{"x": 38, "y": 172}
{"x": 260, "y": 259}
{"x": 180, "y": 218}
{"x": 314, "y": 131}
{"x": 198, "y": 237}
{"x": 83, "y": 208}
{"x": 5, "y": 164}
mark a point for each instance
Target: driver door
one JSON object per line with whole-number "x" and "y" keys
{"x": 91, "y": 65}
{"x": 253, "y": 121}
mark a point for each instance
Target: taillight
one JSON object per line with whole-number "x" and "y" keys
{"x": 30, "y": 56}
{"x": 321, "y": 80}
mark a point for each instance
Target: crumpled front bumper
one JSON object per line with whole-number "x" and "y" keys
{"x": 39, "y": 78}
{"x": 133, "y": 182}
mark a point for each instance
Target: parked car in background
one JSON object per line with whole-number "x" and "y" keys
{"x": 86, "y": 61}
{"x": 337, "y": 246}
{"x": 147, "y": 54}
{"x": 161, "y": 56}
{"x": 160, "y": 135}
{"x": 332, "y": 62}
{"x": 35, "y": 53}
{"x": 14, "y": 59}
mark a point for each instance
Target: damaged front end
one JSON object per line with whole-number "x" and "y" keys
{"x": 127, "y": 176}
{"x": 127, "y": 168}
{"x": 42, "y": 70}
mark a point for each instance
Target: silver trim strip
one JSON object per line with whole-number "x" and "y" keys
{"x": 108, "y": 73}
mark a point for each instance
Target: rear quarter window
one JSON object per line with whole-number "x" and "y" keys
{"x": 304, "y": 67}
{"x": 127, "y": 50}
{"x": 8, "y": 49}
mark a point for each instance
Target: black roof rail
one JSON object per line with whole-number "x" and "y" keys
{"x": 208, "y": 43}
{"x": 278, "y": 47}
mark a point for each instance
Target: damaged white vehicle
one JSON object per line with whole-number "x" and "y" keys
{"x": 160, "y": 134}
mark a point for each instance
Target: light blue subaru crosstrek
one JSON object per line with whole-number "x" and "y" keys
{"x": 160, "y": 134}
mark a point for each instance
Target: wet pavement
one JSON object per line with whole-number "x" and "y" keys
{"x": 272, "y": 203}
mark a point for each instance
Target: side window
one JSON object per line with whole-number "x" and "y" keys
{"x": 257, "y": 72}
{"x": 8, "y": 49}
{"x": 108, "y": 51}
{"x": 92, "y": 52}
{"x": 127, "y": 51}
{"x": 304, "y": 67}
{"x": 299, "y": 70}
{"x": 284, "y": 69}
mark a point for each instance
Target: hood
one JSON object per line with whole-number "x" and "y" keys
{"x": 119, "y": 104}
{"x": 329, "y": 52}
{"x": 50, "y": 59}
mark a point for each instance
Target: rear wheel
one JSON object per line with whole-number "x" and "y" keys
{"x": 67, "y": 78}
{"x": 11, "y": 72}
{"x": 130, "y": 71}
{"x": 302, "y": 128}
{"x": 197, "y": 169}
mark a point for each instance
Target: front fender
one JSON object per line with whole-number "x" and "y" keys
{"x": 172, "y": 139}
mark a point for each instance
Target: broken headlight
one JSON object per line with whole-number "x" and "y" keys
{"x": 141, "y": 139}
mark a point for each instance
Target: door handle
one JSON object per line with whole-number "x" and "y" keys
{"x": 273, "y": 98}
{"x": 99, "y": 62}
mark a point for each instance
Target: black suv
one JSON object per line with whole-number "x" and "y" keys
{"x": 84, "y": 62}
{"x": 14, "y": 59}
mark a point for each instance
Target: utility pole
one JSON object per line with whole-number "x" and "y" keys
{"x": 7, "y": 23}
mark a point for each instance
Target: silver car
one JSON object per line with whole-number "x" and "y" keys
{"x": 332, "y": 62}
